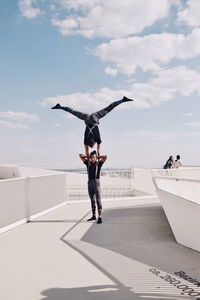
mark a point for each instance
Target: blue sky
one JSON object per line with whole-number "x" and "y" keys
{"x": 86, "y": 54}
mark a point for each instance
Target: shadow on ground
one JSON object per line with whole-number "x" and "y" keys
{"x": 105, "y": 292}
{"x": 143, "y": 234}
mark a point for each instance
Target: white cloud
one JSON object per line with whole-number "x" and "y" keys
{"x": 12, "y": 125}
{"x": 188, "y": 115}
{"x": 87, "y": 101}
{"x": 110, "y": 19}
{"x": 66, "y": 26}
{"x": 151, "y": 135}
{"x": 149, "y": 52}
{"x": 177, "y": 3}
{"x": 164, "y": 86}
{"x": 190, "y": 15}
{"x": 52, "y": 7}
{"x": 111, "y": 71}
{"x": 192, "y": 134}
{"x": 27, "y": 10}
{"x": 193, "y": 124}
{"x": 19, "y": 116}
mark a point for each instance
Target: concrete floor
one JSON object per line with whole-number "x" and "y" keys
{"x": 60, "y": 256}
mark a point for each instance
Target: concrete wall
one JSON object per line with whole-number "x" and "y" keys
{"x": 143, "y": 181}
{"x": 36, "y": 191}
{"x": 182, "y": 172}
{"x": 9, "y": 171}
{"x": 183, "y": 217}
{"x": 12, "y": 201}
{"x": 32, "y": 172}
{"x": 24, "y": 198}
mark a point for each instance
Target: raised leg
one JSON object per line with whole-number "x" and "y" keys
{"x": 78, "y": 114}
{"x": 103, "y": 112}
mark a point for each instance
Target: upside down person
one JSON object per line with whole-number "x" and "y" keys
{"x": 92, "y": 134}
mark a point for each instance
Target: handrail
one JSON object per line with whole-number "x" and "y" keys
{"x": 186, "y": 188}
{"x": 176, "y": 178}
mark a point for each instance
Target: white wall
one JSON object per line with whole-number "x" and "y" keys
{"x": 143, "y": 181}
{"x": 182, "y": 172}
{"x": 44, "y": 192}
{"x": 31, "y": 172}
{"x": 37, "y": 191}
{"x": 9, "y": 171}
{"x": 183, "y": 216}
{"x": 12, "y": 201}
{"x": 23, "y": 198}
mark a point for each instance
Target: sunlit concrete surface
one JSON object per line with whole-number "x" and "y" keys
{"x": 130, "y": 255}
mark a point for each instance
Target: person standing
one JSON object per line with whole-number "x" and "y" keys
{"x": 169, "y": 163}
{"x": 93, "y": 169}
{"x": 177, "y": 162}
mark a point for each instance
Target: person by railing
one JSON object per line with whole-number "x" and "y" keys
{"x": 177, "y": 162}
{"x": 169, "y": 163}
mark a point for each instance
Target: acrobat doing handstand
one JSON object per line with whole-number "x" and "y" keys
{"x": 92, "y": 134}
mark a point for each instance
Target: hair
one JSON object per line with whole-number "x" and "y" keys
{"x": 91, "y": 142}
{"x": 93, "y": 153}
{"x": 178, "y": 157}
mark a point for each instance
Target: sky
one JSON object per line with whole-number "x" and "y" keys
{"x": 86, "y": 54}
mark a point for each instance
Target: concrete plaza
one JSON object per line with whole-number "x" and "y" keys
{"x": 60, "y": 256}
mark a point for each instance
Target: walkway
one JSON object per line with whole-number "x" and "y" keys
{"x": 130, "y": 256}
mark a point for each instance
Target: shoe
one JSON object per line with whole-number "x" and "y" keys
{"x": 57, "y": 106}
{"x": 99, "y": 221}
{"x": 125, "y": 99}
{"x": 93, "y": 218}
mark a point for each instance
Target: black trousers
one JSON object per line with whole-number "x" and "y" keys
{"x": 94, "y": 191}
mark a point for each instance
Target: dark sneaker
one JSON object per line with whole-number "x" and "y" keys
{"x": 93, "y": 218}
{"x": 125, "y": 99}
{"x": 99, "y": 221}
{"x": 57, "y": 106}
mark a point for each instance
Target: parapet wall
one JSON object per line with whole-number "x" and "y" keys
{"x": 143, "y": 181}
{"x": 179, "y": 193}
{"x": 26, "y": 193}
{"x": 24, "y": 198}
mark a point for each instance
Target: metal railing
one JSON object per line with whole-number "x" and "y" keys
{"x": 114, "y": 183}
{"x": 183, "y": 172}
{"x": 183, "y": 187}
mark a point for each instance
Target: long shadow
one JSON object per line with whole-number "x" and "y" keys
{"x": 115, "y": 234}
{"x": 105, "y": 292}
{"x": 144, "y": 234}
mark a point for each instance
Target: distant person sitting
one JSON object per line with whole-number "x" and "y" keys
{"x": 93, "y": 168}
{"x": 169, "y": 163}
{"x": 177, "y": 162}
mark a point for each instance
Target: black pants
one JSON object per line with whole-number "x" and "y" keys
{"x": 94, "y": 117}
{"x": 94, "y": 191}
